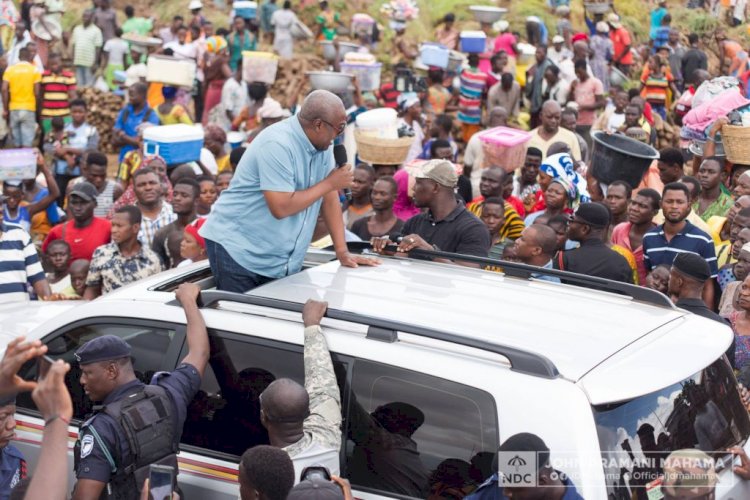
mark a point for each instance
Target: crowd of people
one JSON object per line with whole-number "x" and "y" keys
{"x": 90, "y": 223}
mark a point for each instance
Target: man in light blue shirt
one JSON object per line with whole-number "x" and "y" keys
{"x": 261, "y": 226}
{"x": 535, "y": 247}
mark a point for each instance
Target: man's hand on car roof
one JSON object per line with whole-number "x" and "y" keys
{"x": 313, "y": 312}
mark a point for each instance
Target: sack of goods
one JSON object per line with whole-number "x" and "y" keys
{"x": 170, "y": 71}
{"x": 365, "y": 67}
{"x": 245, "y": 10}
{"x": 17, "y": 164}
{"x": 504, "y": 147}
{"x": 377, "y": 138}
{"x": 259, "y": 67}
{"x": 175, "y": 143}
{"x": 473, "y": 42}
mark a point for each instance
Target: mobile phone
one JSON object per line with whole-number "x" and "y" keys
{"x": 160, "y": 482}
{"x": 43, "y": 365}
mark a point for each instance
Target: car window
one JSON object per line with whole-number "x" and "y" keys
{"x": 224, "y": 416}
{"x": 703, "y": 411}
{"x": 417, "y": 435}
{"x": 150, "y": 345}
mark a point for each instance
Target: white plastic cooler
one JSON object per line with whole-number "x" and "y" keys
{"x": 175, "y": 143}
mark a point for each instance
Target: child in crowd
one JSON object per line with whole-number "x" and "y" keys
{"x": 79, "y": 270}
{"x": 658, "y": 279}
{"x": 222, "y": 181}
{"x": 58, "y": 258}
{"x": 56, "y": 140}
{"x": 193, "y": 246}
{"x": 208, "y": 195}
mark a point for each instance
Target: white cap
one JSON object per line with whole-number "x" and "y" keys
{"x": 602, "y": 27}
{"x": 558, "y": 39}
{"x": 195, "y": 4}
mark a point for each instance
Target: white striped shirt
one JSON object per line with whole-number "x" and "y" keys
{"x": 19, "y": 264}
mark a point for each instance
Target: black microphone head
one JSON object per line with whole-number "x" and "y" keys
{"x": 339, "y": 154}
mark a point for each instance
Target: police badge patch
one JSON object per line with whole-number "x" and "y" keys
{"x": 87, "y": 445}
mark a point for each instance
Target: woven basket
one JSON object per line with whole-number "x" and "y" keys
{"x": 736, "y": 141}
{"x": 376, "y": 151}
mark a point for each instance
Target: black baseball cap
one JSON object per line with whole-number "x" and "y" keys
{"x": 85, "y": 190}
{"x": 594, "y": 214}
{"x": 693, "y": 266}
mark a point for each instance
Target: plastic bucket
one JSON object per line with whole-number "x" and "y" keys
{"x": 616, "y": 157}
{"x": 235, "y": 139}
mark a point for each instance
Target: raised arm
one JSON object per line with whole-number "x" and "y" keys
{"x": 52, "y": 188}
{"x": 53, "y": 401}
{"x": 284, "y": 204}
{"x": 320, "y": 379}
{"x": 197, "y": 335}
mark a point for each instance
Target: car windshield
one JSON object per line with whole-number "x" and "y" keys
{"x": 703, "y": 411}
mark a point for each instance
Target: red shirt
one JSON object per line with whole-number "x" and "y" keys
{"x": 82, "y": 241}
{"x": 621, "y": 39}
{"x": 517, "y": 204}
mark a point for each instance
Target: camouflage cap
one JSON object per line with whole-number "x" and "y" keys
{"x": 688, "y": 473}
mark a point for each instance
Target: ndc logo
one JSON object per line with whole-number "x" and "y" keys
{"x": 518, "y": 469}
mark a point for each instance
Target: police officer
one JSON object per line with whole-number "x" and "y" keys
{"x": 106, "y": 466}
{"x": 12, "y": 463}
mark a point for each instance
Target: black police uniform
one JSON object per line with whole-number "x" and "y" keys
{"x": 594, "y": 258}
{"x": 101, "y": 435}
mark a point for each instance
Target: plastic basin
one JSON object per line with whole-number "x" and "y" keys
{"x": 616, "y": 157}
{"x": 329, "y": 80}
{"x": 329, "y": 51}
{"x": 486, "y": 14}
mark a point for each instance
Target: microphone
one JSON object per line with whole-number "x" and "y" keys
{"x": 339, "y": 156}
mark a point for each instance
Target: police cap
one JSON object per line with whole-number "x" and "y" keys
{"x": 104, "y": 348}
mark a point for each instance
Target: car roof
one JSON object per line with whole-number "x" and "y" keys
{"x": 20, "y": 318}
{"x": 574, "y": 327}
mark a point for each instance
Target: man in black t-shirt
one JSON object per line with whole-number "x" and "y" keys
{"x": 447, "y": 225}
{"x": 693, "y": 59}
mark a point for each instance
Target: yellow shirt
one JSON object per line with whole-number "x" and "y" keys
{"x": 562, "y": 135}
{"x": 21, "y": 78}
{"x": 223, "y": 164}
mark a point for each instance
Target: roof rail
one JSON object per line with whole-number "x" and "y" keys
{"x": 518, "y": 270}
{"x": 521, "y": 361}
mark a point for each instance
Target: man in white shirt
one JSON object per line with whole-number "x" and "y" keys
{"x": 558, "y": 52}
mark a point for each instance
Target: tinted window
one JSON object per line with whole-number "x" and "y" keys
{"x": 413, "y": 434}
{"x": 703, "y": 411}
{"x": 150, "y": 345}
{"x": 225, "y": 414}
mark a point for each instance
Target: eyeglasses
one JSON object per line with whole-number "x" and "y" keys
{"x": 339, "y": 130}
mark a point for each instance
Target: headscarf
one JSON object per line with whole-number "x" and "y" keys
{"x": 169, "y": 92}
{"x": 215, "y": 44}
{"x": 193, "y": 228}
{"x": 404, "y": 208}
{"x": 128, "y": 197}
{"x": 406, "y": 100}
{"x": 562, "y": 170}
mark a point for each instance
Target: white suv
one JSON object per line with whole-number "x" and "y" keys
{"x": 478, "y": 355}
